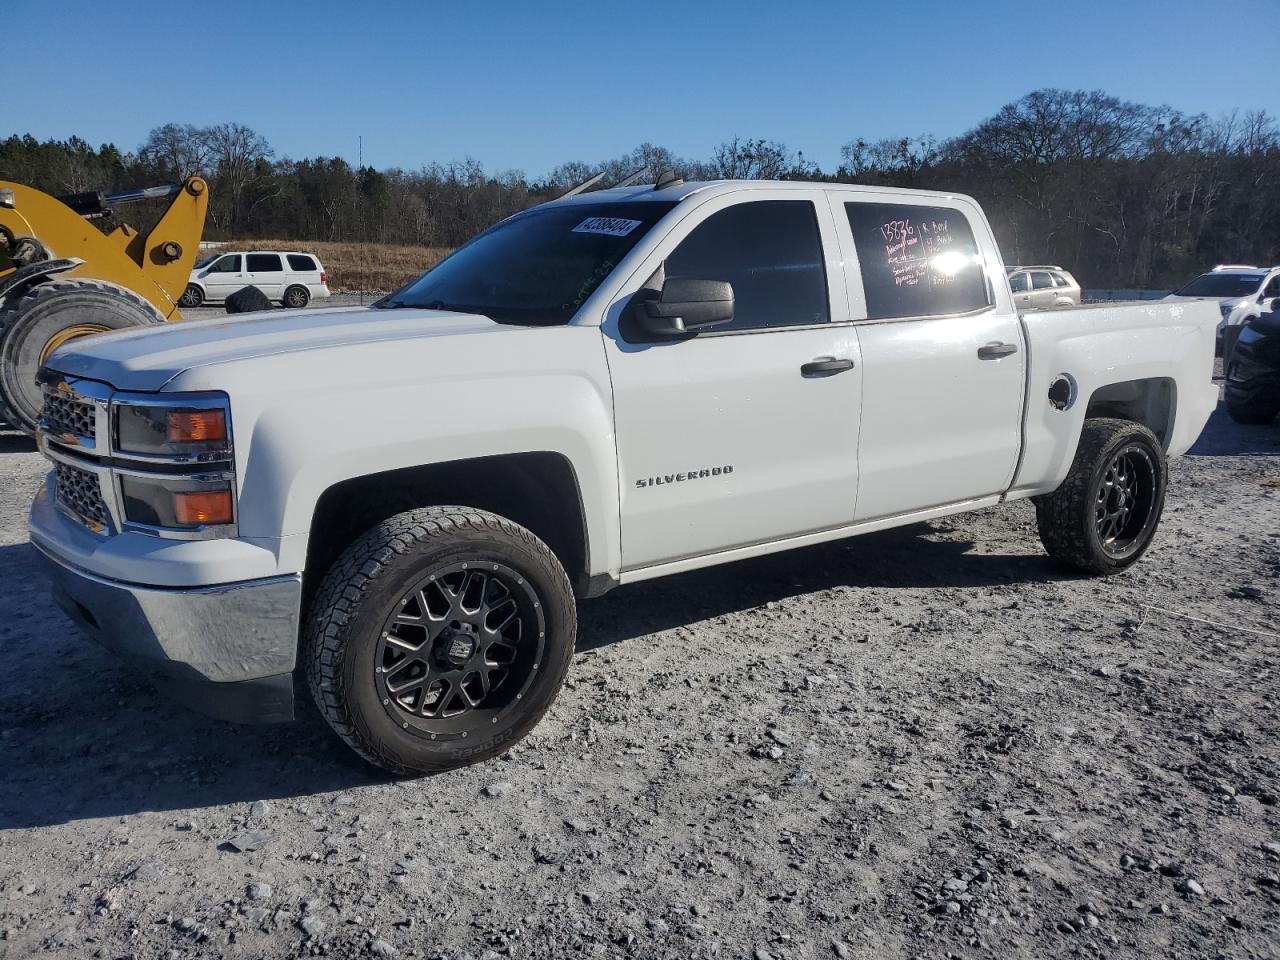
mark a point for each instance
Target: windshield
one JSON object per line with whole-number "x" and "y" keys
{"x": 205, "y": 261}
{"x": 537, "y": 267}
{"x": 1222, "y": 285}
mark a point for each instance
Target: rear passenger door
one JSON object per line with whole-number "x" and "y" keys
{"x": 745, "y": 433}
{"x": 1043, "y": 294}
{"x": 266, "y": 272}
{"x": 942, "y": 378}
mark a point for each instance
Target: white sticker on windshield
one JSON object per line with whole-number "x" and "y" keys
{"x": 609, "y": 226}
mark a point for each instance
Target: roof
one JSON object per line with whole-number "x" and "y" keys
{"x": 682, "y": 189}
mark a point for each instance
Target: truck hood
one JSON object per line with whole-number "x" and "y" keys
{"x": 149, "y": 357}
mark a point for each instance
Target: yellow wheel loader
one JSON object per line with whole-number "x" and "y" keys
{"x": 61, "y": 277}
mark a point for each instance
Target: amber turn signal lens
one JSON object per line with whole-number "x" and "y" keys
{"x": 193, "y": 508}
{"x": 193, "y": 426}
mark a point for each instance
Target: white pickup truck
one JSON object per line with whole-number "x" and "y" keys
{"x": 407, "y": 499}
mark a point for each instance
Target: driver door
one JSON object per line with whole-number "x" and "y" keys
{"x": 747, "y": 432}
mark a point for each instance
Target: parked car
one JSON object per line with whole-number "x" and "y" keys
{"x": 406, "y": 500}
{"x": 294, "y": 279}
{"x": 1242, "y": 291}
{"x": 1043, "y": 287}
{"x": 1252, "y": 390}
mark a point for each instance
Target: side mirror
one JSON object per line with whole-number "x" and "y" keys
{"x": 685, "y": 306}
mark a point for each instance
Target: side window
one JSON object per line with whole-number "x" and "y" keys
{"x": 301, "y": 263}
{"x": 1041, "y": 281}
{"x": 263, "y": 263}
{"x": 1018, "y": 283}
{"x": 917, "y": 261}
{"x": 227, "y": 264}
{"x": 771, "y": 252}
{"x": 1272, "y": 288}
{"x": 1059, "y": 280}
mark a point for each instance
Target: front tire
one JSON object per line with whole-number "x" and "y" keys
{"x": 1104, "y": 515}
{"x": 193, "y": 296}
{"x": 439, "y": 639}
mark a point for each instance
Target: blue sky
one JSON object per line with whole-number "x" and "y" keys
{"x": 528, "y": 85}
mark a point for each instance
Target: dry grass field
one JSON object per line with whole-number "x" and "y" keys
{"x": 351, "y": 266}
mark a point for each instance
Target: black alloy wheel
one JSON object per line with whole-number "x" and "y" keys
{"x": 1124, "y": 500}
{"x": 1103, "y": 516}
{"x": 459, "y": 648}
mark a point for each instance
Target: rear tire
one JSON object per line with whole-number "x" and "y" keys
{"x": 402, "y": 655}
{"x": 1252, "y": 414}
{"x": 297, "y": 297}
{"x": 193, "y": 296}
{"x": 1104, "y": 515}
{"x": 34, "y": 323}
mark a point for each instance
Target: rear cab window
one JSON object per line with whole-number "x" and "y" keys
{"x": 301, "y": 263}
{"x": 916, "y": 260}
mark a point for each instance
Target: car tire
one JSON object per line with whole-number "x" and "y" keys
{"x": 1104, "y": 516}
{"x": 439, "y": 638}
{"x": 193, "y": 296}
{"x": 1253, "y": 414}
{"x": 296, "y": 297}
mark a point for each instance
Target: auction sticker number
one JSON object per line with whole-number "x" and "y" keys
{"x": 608, "y": 226}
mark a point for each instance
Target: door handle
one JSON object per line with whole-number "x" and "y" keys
{"x": 996, "y": 350}
{"x": 825, "y": 365}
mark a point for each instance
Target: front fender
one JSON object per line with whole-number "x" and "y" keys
{"x": 306, "y": 421}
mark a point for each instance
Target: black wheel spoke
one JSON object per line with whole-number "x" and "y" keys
{"x": 465, "y": 639}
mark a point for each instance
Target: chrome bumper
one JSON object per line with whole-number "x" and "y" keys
{"x": 229, "y": 650}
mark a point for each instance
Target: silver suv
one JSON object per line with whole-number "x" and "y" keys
{"x": 1043, "y": 287}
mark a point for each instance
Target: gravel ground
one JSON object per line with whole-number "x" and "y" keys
{"x": 929, "y": 742}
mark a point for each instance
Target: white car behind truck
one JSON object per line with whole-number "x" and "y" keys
{"x": 292, "y": 278}
{"x": 404, "y": 501}
{"x": 1242, "y": 292}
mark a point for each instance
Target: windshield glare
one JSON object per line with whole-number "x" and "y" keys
{"x": 1222, "y": 285}
{"x": 537, "y": 267}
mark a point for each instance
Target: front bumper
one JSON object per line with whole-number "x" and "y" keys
{"x": 227, "y": 650}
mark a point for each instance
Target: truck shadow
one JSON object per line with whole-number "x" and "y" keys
{"x": 14, "y": 441}
{"x": 904, "y": 557}
{"x": 1223, "y": 437}
{"x": 82, "y": 737}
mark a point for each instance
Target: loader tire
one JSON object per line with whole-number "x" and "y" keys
{"x": 36, "y": 322}
{"x": 1104, "y": 515}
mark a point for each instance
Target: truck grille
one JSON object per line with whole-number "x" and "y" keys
{"x": 63, "y": 414}
{"x": 81, "y": 493}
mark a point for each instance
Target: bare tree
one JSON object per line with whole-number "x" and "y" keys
{"x": 178, "y": 150}
{"x": 240, "y": 157}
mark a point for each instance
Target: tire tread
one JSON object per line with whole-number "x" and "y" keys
{"x": 1064, "y": 516}
{"x": 348, "y": 582}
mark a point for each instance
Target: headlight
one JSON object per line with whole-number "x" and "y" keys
{"x": 174, "y": 463}
{"x": 177, "y": 503}
{"x": 192, "y": 429}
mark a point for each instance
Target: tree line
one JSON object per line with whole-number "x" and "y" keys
{"x": 1123, "y": 194}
